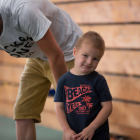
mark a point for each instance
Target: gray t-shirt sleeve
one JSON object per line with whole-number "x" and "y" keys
{"x": 32, "y": 21}
{"x": 1, "y": 47}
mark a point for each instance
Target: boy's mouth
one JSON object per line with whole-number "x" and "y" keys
{"x": 87, "y": 66}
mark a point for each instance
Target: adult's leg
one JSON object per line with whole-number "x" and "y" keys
{"x": 25, "y": 129}
{"x": 33, "y": 90}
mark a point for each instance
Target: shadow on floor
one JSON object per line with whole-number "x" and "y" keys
{"x": 8, "y": 132}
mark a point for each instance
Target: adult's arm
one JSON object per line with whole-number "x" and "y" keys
{"x": 51, "y": 49}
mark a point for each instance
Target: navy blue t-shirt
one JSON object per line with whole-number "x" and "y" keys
{"x": 82, "y": 97}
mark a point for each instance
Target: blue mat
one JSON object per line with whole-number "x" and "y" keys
{"x": 8, "y": 132}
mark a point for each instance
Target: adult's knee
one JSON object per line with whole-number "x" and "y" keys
{"x": 24, "y": 121}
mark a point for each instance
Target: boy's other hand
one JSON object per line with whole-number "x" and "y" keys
{"x": 69, "y": 134}
{"x": 86, "y": 134}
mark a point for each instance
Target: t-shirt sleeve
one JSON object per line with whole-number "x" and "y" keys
{"x": 33, "y": 21}
{"x": 58, "y": 97}
{"x": 102, "y": 90}
{"x": 0, "y": 48}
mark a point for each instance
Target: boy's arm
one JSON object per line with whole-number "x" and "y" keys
{"x": 61, "y": 116}
{"x": 50, "y": 48}
{"x": 102, "y": 115}
{"x": 62, "y": 119}
{"x": 97, "y": 122}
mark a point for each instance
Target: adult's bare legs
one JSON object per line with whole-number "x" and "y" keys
{"x": 25, "y": 129}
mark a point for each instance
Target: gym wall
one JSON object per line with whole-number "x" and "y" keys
{"x": 118, "y": 21}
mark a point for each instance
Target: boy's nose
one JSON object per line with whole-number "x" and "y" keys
{"x": 89, "y": 61}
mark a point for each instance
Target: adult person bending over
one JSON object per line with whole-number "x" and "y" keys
{"x": 46, "y": 35}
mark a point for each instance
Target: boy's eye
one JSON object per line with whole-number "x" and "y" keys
{"x": 85, "y": 55}
{"x": 95, "y": 59}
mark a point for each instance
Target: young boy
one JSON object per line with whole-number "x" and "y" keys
{"x": 83, "y": 100}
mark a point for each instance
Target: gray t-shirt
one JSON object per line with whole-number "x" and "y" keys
{"x": 27, "y": 21}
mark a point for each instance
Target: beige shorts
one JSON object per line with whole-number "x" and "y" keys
{"x": 34, "y": 87}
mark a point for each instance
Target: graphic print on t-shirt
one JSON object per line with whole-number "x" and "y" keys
{"x": 83, "y": 105}
{"x": 21, "y": 48}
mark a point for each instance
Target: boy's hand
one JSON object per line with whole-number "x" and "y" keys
{"x": 86, "y": 134}
{"x": 70, "y": 134}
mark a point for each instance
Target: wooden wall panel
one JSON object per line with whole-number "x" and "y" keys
{"x": 129, "y": 90}
{"x": 103, "y": 11}
{"x": 125, "y": 114}
{"x": 117, "y": 36}
{"x": 49, "y": 105}
{"x": 125, "y": 88}
{"x": 120, "y": 62}
{"x": 66, "y": 1}
{"x": 121, "y": 87}
{"x": 49, "y": 119}
{"x": 10, "y": 74}
{"x": 6, "y": 58}
{"x": 8, "y": 93}
{"x": 118, "y": 23}
{"x": 71, "y": 1}
{"x": 133, "y": 133}
{"x": 6, "y": 109}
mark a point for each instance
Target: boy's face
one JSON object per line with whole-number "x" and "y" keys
{"x": 87, "y": 58}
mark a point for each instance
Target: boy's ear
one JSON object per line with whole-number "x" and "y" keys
{"x": 74, "y": 51}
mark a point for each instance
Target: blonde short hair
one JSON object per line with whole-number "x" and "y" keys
{"x": 94, "y": 38}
